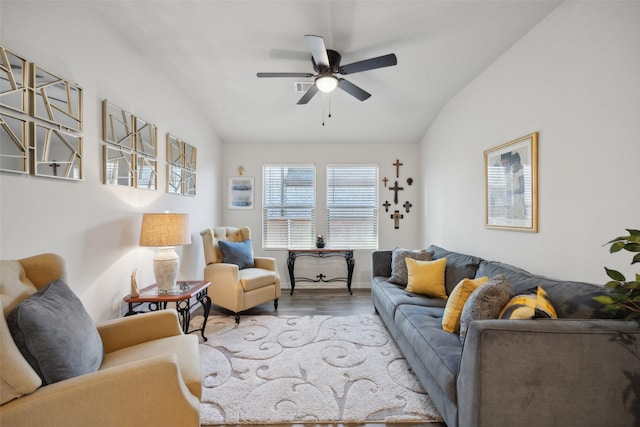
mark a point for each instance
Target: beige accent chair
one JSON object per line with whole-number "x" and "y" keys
{"x": 150, "y": 374}
{"x": 231, "y": 287}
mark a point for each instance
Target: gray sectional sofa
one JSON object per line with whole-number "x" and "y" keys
{"x": 579, "y": 370}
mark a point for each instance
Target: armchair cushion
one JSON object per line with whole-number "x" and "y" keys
{"x": 18, "y": 377}
{"x": 55, "y": 334}
{"x": 238, "y": 253}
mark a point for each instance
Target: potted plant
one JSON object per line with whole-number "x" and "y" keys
{"x": 624, "y": 295}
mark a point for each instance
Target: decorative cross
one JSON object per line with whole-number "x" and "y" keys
{"x": 396, "y": 217}
{"x": 385, "y": 180}
{"x": 396, "y": 188}
{"x": 55, "y": 167}
{"x": 386, "y": 205}
{"x": 407, "y": 205}
{"x": 397, "y": 164}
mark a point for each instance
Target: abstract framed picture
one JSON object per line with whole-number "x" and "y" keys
{"x": 511, "y": 185}
{"x": 241, "y": 192}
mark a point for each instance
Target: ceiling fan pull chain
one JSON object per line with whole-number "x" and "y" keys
{"x": 329, "y": 107}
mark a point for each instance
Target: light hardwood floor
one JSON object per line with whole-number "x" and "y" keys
{"x": 319, "y": 302}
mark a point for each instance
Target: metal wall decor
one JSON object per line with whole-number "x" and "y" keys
{"x": 396, "y": 188}
{"x": 55, "y": 99}
{"x": 181, "y": 167}
{"x": 56, "y": 154}
{"x": 130, "y": 157}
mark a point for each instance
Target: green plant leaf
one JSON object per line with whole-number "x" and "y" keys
{"x": 604, "y": 299}
{"x": 632, "y": 247}
{"x": 615, "y": 275}
{"x": 633, "y": 232}
{"x": 635, "y": 259}
{"x": 617, "y": 246}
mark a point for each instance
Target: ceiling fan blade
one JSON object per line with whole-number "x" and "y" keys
{"x": 304, "y": 75}
{"x": 353, "y": 90}
{"x": 318, "y": 50}
{"x": 369, "y": 64}
{"x": 308, "y": 95}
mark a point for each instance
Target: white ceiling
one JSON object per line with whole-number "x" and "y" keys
{"x": 213, "y": 50}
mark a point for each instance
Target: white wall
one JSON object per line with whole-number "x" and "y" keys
{"x": 575, "y": 78}
{"x": 94, "y": 226}
{"x": 253, "y": 156}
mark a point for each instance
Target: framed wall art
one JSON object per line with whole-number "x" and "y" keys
{"x": 511, "y": 185}
{"x": 241, "y": 192}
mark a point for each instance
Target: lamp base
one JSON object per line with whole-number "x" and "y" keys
{"x": 165, "y": 268}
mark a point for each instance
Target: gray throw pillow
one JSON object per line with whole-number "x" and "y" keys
{"x": 399, "y": 272}
{"x": 486, "y": 302}
{"x": 238, "y": 253}
{"x": 55, "y": 334}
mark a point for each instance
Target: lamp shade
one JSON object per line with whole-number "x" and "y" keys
{"x": 165, "y": 229}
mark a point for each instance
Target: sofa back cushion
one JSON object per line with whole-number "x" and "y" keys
{"x": 570, "y": 299}
{"x": 17, "y": 376}
{"x": 15, "y": 286}
{"x": 459, "y": 266}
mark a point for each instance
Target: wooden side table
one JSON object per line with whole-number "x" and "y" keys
{"x": 185, "y": 290}
{"x": 347, "y": 254}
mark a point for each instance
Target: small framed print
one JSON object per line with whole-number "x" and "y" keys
{"x": 241, "y": 192}
{"x": 511, "y": 185}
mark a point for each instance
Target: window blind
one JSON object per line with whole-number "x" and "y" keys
{"x": 288, "y": 206}
{"x": 352, "y": 206}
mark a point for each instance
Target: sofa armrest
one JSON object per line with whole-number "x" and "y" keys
{"x": 549, "y": 372}
{"x": 111, "y": 397}
{"x": 131, "y": 330}
{"x": 221, "y": 272}
{"x": 381, "y": 263}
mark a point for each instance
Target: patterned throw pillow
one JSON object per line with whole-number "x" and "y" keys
{"x": 457, "y": 300}
{"x": 486, "y": 302}
{"x": 533, "y": 305}
{"x": 427, "y": 277}
{"x": 399, "y": 266}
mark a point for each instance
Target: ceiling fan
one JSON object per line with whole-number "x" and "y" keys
{"x": 326, "y": 63}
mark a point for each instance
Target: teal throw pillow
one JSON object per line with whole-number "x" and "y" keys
{"x": 55, "y": 334}
{"x": 238, "y": 253}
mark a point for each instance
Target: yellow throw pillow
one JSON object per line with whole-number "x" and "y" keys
{"x": 455, "y": 304}
{"x": 426, "y": 277}
{"x": 533, "y": 305}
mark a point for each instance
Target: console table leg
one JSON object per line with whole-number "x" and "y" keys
{"x": 291, "y": 262}
{"x": 350, "y": 263}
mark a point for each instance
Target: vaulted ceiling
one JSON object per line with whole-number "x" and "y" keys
{"x": 213, "y": 50}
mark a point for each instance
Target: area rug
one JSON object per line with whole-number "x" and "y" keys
{"x": 308, "y": 369}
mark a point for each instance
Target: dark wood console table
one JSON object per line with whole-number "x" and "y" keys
{"x": 347, "y": 254}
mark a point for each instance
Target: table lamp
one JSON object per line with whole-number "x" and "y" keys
{"x": 165, "y": 231}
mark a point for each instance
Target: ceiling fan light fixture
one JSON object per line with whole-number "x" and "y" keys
{"x": 326, "y": 82}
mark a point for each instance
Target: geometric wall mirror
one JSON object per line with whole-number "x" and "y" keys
{"x": 147, "y": 172}
{"x": 181, "y": 167}
{"x": 13, "y": 81}
{"x": 14, "y": 145}
{"x": 55, "y": 100}
{"x": 56, "y": 154}
{"x": 117, "y": 126}
{"x": 118, "y": 166}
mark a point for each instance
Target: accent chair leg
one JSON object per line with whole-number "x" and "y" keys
{"x": 238, "y": 318}
{"x": 275, "y": 303}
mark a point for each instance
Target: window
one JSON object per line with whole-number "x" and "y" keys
{"x": 288, "y": 206}
{"x": 352, "y": 206}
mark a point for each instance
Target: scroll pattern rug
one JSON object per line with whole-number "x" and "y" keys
{"x": 309, "y": 369}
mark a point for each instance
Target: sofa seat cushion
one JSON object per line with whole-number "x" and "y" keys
{"x": 55, "y": 334}
{"x": 570, "y": 299}
{"x": 391, "y": 296}
{"x": 441, "y": 351}
{"x": 254, "y": 278}
{"x": 184, "y": 346}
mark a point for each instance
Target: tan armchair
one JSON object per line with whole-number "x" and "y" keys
{"x": 234, "y": 288}
{"x": 149, "y": 375}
